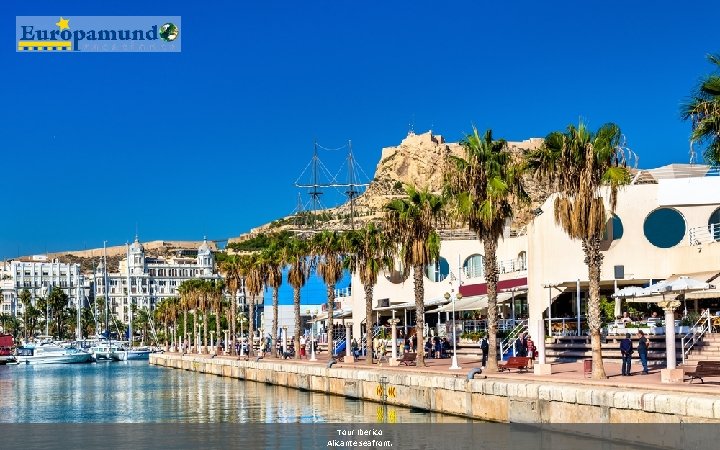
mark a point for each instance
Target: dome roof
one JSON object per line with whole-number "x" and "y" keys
{"x": 204, "y": 248}
{"x": 136, "y": 246}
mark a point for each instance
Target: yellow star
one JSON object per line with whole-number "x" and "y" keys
{"x": 64, "y": 24}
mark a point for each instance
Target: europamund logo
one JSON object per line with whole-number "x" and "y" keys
{"x": 98, "y": 34}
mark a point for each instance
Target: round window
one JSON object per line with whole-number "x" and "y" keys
{"x": 714, "y": 225}
{"x": 664, "y": 227}
{"x": 438, "y": 270}
{"x": 474, "y": 266}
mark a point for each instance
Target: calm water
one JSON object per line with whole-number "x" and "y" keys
{"x": 136, "y": 392}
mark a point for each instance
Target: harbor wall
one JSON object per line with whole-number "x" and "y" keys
{"x": 495, "y": 400}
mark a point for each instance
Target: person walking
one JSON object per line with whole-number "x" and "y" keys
{"x": 484, "y": 346}
{"x": 643, "y": 345}
{"x": 626, "y": 352}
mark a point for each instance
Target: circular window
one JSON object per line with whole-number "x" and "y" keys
{"x": 438, "y": 270}
{"x": 613, "y": 229}
{"x": 714, "y": 224}
{"x": 474, "y": 266}
{"x": 664, "y": 227}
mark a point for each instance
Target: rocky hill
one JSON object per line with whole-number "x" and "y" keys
{"x": 420, "y": 160}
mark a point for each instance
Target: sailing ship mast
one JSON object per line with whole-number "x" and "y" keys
{"x": 107, "y": 293}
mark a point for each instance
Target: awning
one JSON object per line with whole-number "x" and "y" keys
{"x": 411, "y": 305}
{"x": 475, "y": 302}
{"x": 469, "y": 290}
{"x": 341, "y": 314}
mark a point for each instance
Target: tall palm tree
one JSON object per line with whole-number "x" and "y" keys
{"x": 185, "y": 291}
{"x": 230, "y": 268}
{"x": 217, "y": 303}
{"x": 580, "y": 163}
{"x": 411, "y": 224}
{"x": 296, "y": 253}
{"x": 482, "y": 187}
{"x": 703, "y": 110}
{"x": 254, "y": 283}
{"x": 327, "y": 247}
{"x": 162, "y": 314}
{"x": 204, "y": 305}
{"x": 26, "y": 299}
{"x": 272, "y": 259}
{"x": 370, "y": 252}
{"x": 58, "y": 301}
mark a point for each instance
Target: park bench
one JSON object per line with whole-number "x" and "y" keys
{"x": 408, "y": 359}
{"x": 704, "y": 369}
{"x": 515, "y": 362}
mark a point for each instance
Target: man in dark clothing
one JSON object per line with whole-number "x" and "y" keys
{"x": 484, "y": 346}
{"x": 643, "y": 345}
{"x": 626, "y": 352}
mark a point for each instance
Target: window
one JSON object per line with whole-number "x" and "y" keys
{"x": 474, "y": 266}
{"x": 613, "y": 229}
{"x": 714, "y": 224}
{"x": 438, "y": 270}
{"x": 664, "y": 227}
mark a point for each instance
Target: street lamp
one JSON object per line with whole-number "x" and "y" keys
{"x": 312, "y": 335}
{"x": 454, "y": 365}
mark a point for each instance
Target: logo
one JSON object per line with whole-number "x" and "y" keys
{"x": 98, "y": 34}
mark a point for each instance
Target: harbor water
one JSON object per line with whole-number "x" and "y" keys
{"x": 136, "y": 392}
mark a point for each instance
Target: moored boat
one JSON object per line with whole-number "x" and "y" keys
{"x": 133, "y": 354}
{"x": 51, "y": 354}
{"x": 6, "y": 349}
{"x": 103, "y": 351}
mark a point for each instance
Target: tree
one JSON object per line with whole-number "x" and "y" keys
{"x": 273, "y": 261}
{"x": 185, "y": 291}
{"x": 26, "y": 299}
{"x": 296, "y": 253}
{"x": 204, "y": 287}
{"x": 369, "y": 252}
{"x": 411, "y": 223}
{"x": 327, "y": 248}
{"x": 218, "y": 304}
{"x": 230, "y": 268}
{"x": 481, "y": 187}
{"x": 57, "y": 302}
{"x": 580, "y": 163}
{"x": 254, "y": 282}
{"x": 703, "y": 111}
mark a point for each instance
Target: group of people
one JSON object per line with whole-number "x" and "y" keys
{"x": 437, "y": 347}
{"x": 626, "y": 351}
{"x": 523, "y": 346}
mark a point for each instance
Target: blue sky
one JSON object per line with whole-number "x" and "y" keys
{"x": 210, "y": 141}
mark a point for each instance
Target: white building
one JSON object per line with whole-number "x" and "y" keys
{"x": 40, "y": 277}
{"x": 151, "y": 279}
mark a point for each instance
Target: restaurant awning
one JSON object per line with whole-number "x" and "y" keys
{"x": 469, "y": 290}
{"x": 476, "y": 302}
{"x": 411, "y": 305}
{"x": 341, "y": 314}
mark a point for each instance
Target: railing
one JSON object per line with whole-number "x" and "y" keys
{"x": 504, "y": 266}
{"x": 338, "y": 341}
{"x": 509, "y": 342}
{"x": 704, "y": 234}
{"x": 344, "y": 292}
{"x": 702, "y": 326}
{"x": 481, "y": 325}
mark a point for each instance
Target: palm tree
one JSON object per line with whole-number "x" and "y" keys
{"x": 254, "y": 283}
{"x": 482, "y": 187}
{"x": 327, "y": 246}
{"x": 370, "y": 252}
{"x": 295, "y": 253}
{"x": 26, "y": 299}
{"x": 162, "y": 314}
{"x": 703, "y": 110}
{"x": 230, "y": 268}
{"x": 58, "y": 301}
{"x": 580, "y": 162}
{"x": 204, "y": 287}
{"x": 217, "y": 304}
{"x": 272, "y": 259}
{"x": 411, "y": 224}
{"x": 185, "y": 291}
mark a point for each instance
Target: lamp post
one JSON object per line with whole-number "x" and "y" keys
{"x": 454, "y": 365}
{"x": 312, "y": 335}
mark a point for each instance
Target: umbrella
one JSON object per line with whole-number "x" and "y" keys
{"x": 627, "y": 292}
{"x": 682, "y": 284}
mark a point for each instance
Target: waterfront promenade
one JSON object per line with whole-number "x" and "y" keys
{"x": 566, "y": 396}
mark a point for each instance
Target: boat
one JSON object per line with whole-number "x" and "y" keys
{"x": 133, "y": 354}
{"x": 6, "y": 349}
{"x": 103, "y": 351}
{"x": 51, "y": 354}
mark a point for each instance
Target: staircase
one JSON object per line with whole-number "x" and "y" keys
{"x": 707, "y": 349}
{"x": 573, "y": 348}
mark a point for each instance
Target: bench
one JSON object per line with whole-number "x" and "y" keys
{"x": 409, "y": 359}
{"x": 521, "y": 363}
{"x": 704, "y": 369}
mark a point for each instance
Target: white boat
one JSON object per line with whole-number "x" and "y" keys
{"x": 51, "y": 354}
{"x": 133, "y": 354}
{"x": 103, "y": 351}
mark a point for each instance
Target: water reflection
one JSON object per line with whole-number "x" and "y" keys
{"x": 136, "y": 392}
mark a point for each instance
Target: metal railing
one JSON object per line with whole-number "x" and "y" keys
{"x": 696, "y": 334}
{"x": 504, "y": 266}
{"x": 509, "y": 342}
{"x": 344, "y": 292}
{"x": 704, "y": 234}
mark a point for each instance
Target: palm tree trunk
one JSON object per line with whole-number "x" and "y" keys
{"x": 251, "y": 326}
{"x": 368, "y": 320}
{"x": 296, "y": 306}
{"x": 276, "y": 296}
{"x": 491, "y": 278}
{"x": 419, "y": 314}
{"x": 233, "y": 305}
{"x": 185, "y": 333}
{"x": 194, "y": 330}
{"x": 218, "y": 314}
{"x": 330, "y": 328}
{"x": 593, "y": 259}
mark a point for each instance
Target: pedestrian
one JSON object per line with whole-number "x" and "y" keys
{"x": 484, "y": 346}
{"x": 643, "y": 345}
{"x": 626, "y": 351}
{"x": 531, "y": 348}
{"x": 302, "y": 346}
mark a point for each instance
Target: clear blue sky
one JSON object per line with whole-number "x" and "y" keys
{"x": 210, "y": 141}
